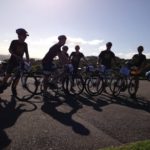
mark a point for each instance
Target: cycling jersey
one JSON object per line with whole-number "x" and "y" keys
{"x": 53, "y": 52}
{"x": 138, "y": 60}
{"x": 106, "y": 58}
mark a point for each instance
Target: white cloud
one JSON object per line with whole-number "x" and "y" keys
{"x": 39, "y": 47}
{"x": 125, "y": 55}
{"x": 80, "y": 41}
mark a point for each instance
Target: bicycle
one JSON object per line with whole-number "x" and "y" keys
{"x": 125, "y": 80}
{"x": 25, "y": 87}
{"x": 65, "y": 81}
{"x": 98, "y": 81}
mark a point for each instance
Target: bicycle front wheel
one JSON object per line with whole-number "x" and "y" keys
{"x": 116, "y": 85}
{"x": 94, "y": 85}
{"x": 25, "y": 88}
{"x": 133, "y": 86}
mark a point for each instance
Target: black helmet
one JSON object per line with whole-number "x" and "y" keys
{"x": 65, "y": 48}
{"x": 77, "y": 47}
{"x": 140, "y": 48}
{"x": 108, "y": 44}
{"x": 22, "y": 31}
{"x": 62, "y": 37}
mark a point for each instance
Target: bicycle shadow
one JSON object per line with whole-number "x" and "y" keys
{"x": 105, "y": 99}
{"x": 97, "y": 102}
{"x": 9, "y": 113}
{"x": 136, "y": 103}
{"x": 50, "y": 107}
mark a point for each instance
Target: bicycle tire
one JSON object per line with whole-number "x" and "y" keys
{"x": 25, "y": 89}
{"x": 132, "y": 87}
{"x": 94, "y": 85}
{"x": 73, "y": 85}
{"x": 116, "y": 85}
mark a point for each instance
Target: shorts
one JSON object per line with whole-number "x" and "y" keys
{"x": 11, "y": 66}
{"x": 48, "y": 68}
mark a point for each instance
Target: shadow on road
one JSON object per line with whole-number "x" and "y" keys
{"x": 105, "y": 99}
{"x": 96, "y": 103}
{"x": 50, "y": 107}
{"x": 9, "y": 113}
{"x": 138, "y": 103}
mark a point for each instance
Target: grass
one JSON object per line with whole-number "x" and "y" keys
{"x": 141, "y": 145}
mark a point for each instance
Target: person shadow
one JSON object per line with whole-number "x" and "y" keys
{"x": 50, "y": 107}
{"x": 9, "y": 113}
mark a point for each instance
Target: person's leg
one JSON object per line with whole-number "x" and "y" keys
{"x": 75, "y": 71}
{"x": 45, "y": 83}
{"x": 14, "y": 85}
{"x": 46, "y": 72}
{"x": 9, "y": 69}
{"x": 136, "y": 83}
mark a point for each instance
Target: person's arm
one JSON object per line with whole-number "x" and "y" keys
{"x": 99, "y": 60}
{"x": 114, "y": 62}
{"x": 84, "y": 59}
{"x": 143, "y": 65}
{"x": 27, "y": 54}
{"x": 70, "y": 57}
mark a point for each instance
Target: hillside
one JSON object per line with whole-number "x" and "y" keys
{"x": 4, "y": 57}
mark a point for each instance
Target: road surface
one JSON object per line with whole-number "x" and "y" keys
{"x": 74, "y": 123}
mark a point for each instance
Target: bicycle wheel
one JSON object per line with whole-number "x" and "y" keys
{"x": 39, "y": 85}
{"x": 133, "y": 87}
{"x": 116, "y": 85}
{"x": 25, "y": 88}
{"x": 94, "y": 85}
{"x": 30, "y": 83}
{"x": 73, "y": 85}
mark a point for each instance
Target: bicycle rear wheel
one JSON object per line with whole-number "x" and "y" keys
{"x": 73, "y": 85}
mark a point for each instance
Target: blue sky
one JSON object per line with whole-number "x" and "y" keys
{"x": 89, "y": 23}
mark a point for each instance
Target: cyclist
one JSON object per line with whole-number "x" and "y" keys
{"x": 65, "y": 53}
{"x": 47, "y": 61}
{"x": 17, "y": 49}
{"x": 106, "y": 57}
{"x": 138, "y": 63}
{"x": 75, "y": 58}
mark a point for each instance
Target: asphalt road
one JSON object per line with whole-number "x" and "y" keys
{"x": 74, "y": 123}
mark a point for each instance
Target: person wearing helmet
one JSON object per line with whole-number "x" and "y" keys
{"x": 75, "y": 58}
{"x": 47, "y": 61}
{"x": 17, "y": 49}
{"x": 54, "y": 51}
{"x": 137, "y": 65}
{"x": 106, "y": 57}
{"x": 139, "y": 60}
{"x": 65, "y": 54}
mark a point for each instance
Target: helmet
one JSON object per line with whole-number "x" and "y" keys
{"x": 22, "y": 31}
{"x": 77, "y": 47}
{"x": 61, "y": 37}
{"x": 140, "y": 49}
{"x": 65, "y": 47}
{"x": 108, "y": 44}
